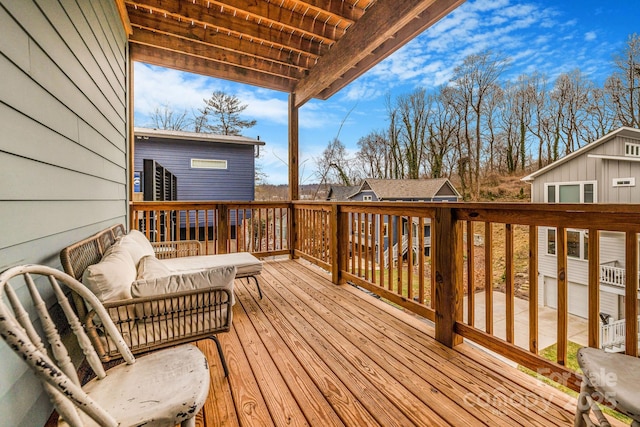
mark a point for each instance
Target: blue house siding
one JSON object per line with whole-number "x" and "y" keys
{"x": 236, "y": 183}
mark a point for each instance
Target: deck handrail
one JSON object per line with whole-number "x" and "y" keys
{"x": 342, "y": 237}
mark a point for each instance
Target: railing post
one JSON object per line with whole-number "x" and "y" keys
{"x": 449, "y": 282}
{"x": 223, "y": 228}
{"x": 336, "y": 243}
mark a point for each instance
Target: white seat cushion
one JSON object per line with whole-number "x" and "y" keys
{"x": 245, "y": 263}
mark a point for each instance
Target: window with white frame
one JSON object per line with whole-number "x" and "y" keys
{"x": 571, "y": 192}
{"x": 577, "y": 243}
{"x": 367, "y": 198}
{"x": 624, "y": 182}
{"x": 632, "y": 149}
{"x": 208, "y": 164}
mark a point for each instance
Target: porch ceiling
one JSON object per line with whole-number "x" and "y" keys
{"x": 311, "y": 48}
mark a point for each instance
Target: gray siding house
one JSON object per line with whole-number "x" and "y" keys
{"x": 604, "y": 171}
{"x": 63, "y": 155}
{"x": 398, "y": 190}
{"x": 205, "y": 165}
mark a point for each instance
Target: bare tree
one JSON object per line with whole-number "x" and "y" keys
{"x": 474, "y": 79}
{"x": 443, "y": 126}
{"x": 413, "y": 112}
{"x": 624, "y": 85}
{"x": 334, "y": 165}
{"x": 225, "y": 111}
{"x": 166, "y": 118}
{"x": 372, "y": 156}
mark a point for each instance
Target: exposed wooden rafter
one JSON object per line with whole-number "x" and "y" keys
{"x": 311, "y": 48}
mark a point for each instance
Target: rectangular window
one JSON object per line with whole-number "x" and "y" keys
{"x": 624, "y": 182}
{"x": 573, "y": 244}
{"x": 631, "y": 149}
{"x": 578, "y": 192}
{"x": 551, "y": 194}
{"x": 208, "y": 164}
{"x": 385, "y": 230}
{"x": 367, "y": 198}
{"x": 551, "y": 241}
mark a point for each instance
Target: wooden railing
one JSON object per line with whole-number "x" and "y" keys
{"x": 259, "y": 228}
{"x": 450, "y": 263}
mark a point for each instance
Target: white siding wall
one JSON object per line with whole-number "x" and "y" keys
{"x": 63, "y": 147}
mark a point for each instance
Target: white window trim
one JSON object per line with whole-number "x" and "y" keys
{"x": 624, "y": 182}
{"x": 631, "y": 149}
{"x": 215, "y": 164}
{"x": 367, "y": 198}
{"x": 583, "y": 236}
{"x": 581, "y": 183}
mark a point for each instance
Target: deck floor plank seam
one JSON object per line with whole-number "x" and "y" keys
{"x": 488, "y": 385}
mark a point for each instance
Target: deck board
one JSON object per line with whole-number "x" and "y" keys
{"x": 312, "y": 353}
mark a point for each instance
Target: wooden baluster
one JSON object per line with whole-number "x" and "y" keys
{"x": 381, "y": 266}
{"x": 399, "y": 257}
{"x": 410, "y": 258}
{"x": 563, "y": 303}
{"x": 390, "y": 242}
{"x": 366, "y": 237}
{"x": 631, "y": 294}
{"x": 533, "y": 289}
{"x": 471, "y": 258}
{"x": 421, "y": 260}
{"x": 594, "y": 288}
{"x": 509, "y": 285}
{"x": 488, "y": 276}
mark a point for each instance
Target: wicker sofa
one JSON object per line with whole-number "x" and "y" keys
{"x": 184, "y": 302}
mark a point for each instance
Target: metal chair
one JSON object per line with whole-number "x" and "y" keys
{"x": 163, "y": 388}
{"x": 610, "y": 379}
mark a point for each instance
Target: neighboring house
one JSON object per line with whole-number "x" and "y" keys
{"x": 207, "y": 167}
{"x": 203, "y": 166}
{"x": 397, "y": 190}
{"x": 604, "y": 171}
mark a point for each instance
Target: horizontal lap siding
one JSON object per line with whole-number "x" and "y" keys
{"x": 235, "y": 183}
{"x": 63, "y": 147}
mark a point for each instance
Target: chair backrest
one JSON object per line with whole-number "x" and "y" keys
{"x": 77, "y": 257}
{"x": 45, "y": 352}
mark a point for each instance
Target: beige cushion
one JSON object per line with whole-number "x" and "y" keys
{"x": 136, "y": 244}
{"x": 111, "y": 278}
{"x": 218, "y": 278}
{"x": 246, "y": 264}
{"x": 150, "y": 267}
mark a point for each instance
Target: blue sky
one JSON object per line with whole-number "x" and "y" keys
{"x": 547, "y": 36}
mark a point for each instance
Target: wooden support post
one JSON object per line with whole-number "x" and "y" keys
{"x": 335, "y": 235}
{"x": 223, "y": 228}
{"x": 293, "y": 171}
{"x": 631, "y": 294}
{"x": 449, "y": 278}
{"x": 563, "y": 295}
{"x": 293, "y": 148}
{"x": 594, "y": 288}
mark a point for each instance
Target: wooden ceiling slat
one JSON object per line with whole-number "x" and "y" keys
{"x": 223, "y": 17}
{"x": 344, "y": 9}
{"x": 434, "y": 13}
{"x": 220, "y": 40}
{"x": 179, "y": 45}
{"x": 193, "y": 64}
{"x": 388, "y": 18}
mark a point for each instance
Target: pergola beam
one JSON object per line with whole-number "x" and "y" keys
{"x": 388, "y": 18}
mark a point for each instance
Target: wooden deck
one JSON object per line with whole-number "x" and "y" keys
{"x": 312, "y": 353}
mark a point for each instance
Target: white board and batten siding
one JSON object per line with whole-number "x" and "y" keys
{"x": 63, "y": 148}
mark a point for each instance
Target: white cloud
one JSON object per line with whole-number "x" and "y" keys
{"x": 590, "y": 36}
